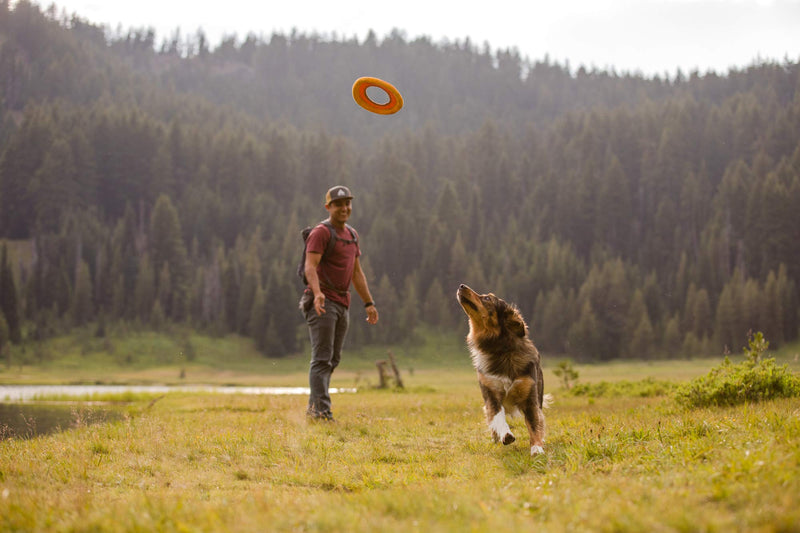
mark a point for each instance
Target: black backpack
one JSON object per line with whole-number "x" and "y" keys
{"x": 301, "y": 267}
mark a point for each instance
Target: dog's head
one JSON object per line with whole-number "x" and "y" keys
{"x": 489, "y": 316}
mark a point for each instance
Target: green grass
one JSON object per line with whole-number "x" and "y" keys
{"x": 415, "y": 460}
{"x": 128, "y": 355}
{"x": 420, "y": 459}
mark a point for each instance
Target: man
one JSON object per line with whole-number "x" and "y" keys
{"x": 327, "y": 295}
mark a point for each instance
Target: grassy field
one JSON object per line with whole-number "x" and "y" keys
{"x": 130, "y": 356}
{"x": 419, "y": 459}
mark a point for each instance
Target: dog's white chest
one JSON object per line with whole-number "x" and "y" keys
{"x": 499, "y": 382}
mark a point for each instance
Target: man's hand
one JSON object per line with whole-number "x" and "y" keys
{"x": 319, "y": 303}
{"x": 372, "y": 314}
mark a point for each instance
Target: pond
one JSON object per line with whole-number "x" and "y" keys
{"x": 30, "y": 420}
{"x": 26, "y": 412}
{"x": 17, "y": 393}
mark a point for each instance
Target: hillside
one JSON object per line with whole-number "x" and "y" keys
{"x": 168, "y": 181}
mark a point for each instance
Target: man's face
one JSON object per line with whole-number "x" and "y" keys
{"x": 340, "y": 210}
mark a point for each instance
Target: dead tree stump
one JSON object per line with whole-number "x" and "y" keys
{"x": 383, "y": 372}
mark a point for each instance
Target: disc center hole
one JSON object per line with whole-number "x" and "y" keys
{"x": 377, "y": 95}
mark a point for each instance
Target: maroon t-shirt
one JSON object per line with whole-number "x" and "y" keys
{"x": 337, "y": 267}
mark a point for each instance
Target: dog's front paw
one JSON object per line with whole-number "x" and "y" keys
{"x": 536, "y": 450}
{"x": 506, "y": 439}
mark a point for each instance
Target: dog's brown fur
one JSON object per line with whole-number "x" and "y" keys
{"x": 507, "y": 363}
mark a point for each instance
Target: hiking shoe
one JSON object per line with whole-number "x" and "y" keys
{"x": 323, "y": 417}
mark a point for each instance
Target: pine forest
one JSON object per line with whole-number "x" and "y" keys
{"x": 149, "y": 180}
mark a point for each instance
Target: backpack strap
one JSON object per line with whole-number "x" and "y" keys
{"x": 353, "y": 234}
{"x": 332, "y": 240}
{"x": 331, "y": 244}
{"x": 335, "y": 237}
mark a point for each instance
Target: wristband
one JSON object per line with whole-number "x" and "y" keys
{"x": 369, "y": 304}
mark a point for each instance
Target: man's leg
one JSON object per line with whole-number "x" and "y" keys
{"x": 342, "y": 326}
{"x": 322, "y": 332}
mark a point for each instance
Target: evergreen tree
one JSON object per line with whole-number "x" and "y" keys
{"x": 164, "y": 290}
{"x": 459, "y": 266}
{"x": 551, "y": 321}
{"x": 583, "y": 191}
{"x": 654, "y": 298}
{"x": 4, "y": 338}
{"x": 661, "y": 244}
{"x": 20, "y": 160}
{"x": 752, "y": 306}
{"x": 607, "y": 291}
{"x": 787, "y": 294}
{"x": 54, "y": 188}
{"x": 635, "y": 329}
{"x": 119, "y": 305}
{"x": 247, "y": 292}
{"x": 82, "y": 299}
{"x": 408, "y": 309}
{"x": 697, "y": 313}
{"x": 703, "y": 318}
{"x": 212, "y": 296}
{"x": 771, "y": 318}
{"x": 436, "y": 310}
{"x": 230, "y": 295}
{"x": 771, "y": 223}
{"x": 614, "y": 209}
{"x": 692, "y": 346}
{"x": 144, "y": 295}
{"x": 168, "y": 253}
{"x": 672, "y": 337}
{"x": 271, "y": 340}
{"x": 9, "y": 302}
{"x": 643, "y": 339}
{"x": 126, "y": 246}
{"x": 157, "y": 316}
{"x": 729, "y": 326}
{"x": 385, "y": 293}
{"x": 282, "y": 300}
{"x": 195, "y": 299}
{"x": 259, "y": 323}
{"x": 584, "y": 335}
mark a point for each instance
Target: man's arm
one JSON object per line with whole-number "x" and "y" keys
{"x": 312, "y": 262}
{"x": 360, "y": 284}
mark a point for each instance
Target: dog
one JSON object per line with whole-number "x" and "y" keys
{"x": 508, "y": 366}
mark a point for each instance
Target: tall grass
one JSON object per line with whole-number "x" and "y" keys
{"x": 416, "y": 460}
{"x": 621, "y": 454}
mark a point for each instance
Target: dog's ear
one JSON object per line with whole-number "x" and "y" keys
{"x": 515, "y": 324}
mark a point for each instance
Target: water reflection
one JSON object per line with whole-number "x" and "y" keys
{"x": 25, "y": 419}
{"x": 31, "y": 420}
{"x": 17, "y": 393}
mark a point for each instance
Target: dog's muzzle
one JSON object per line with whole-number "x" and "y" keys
{"x": 463, "y": 299}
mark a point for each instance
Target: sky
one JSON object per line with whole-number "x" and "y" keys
{"x": 650, "y": 37}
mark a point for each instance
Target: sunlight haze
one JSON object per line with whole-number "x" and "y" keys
{"x": 646, "y": 36}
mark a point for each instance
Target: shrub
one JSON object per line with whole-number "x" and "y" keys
{"x": 755, "y": 379}
{"x": 566, "y": 373}
{"x": 645, "y": 388}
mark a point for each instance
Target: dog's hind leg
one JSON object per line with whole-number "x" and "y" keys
{"x": 493, "y": 397}
{"x": 534, "y": 419}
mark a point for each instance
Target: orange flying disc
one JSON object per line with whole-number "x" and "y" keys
{"x": 360, "y": 96}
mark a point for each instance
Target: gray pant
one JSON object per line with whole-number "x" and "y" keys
{"x": 327, "y": 333}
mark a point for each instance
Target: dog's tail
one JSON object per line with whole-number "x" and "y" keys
{"x": 547, "y": 401}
